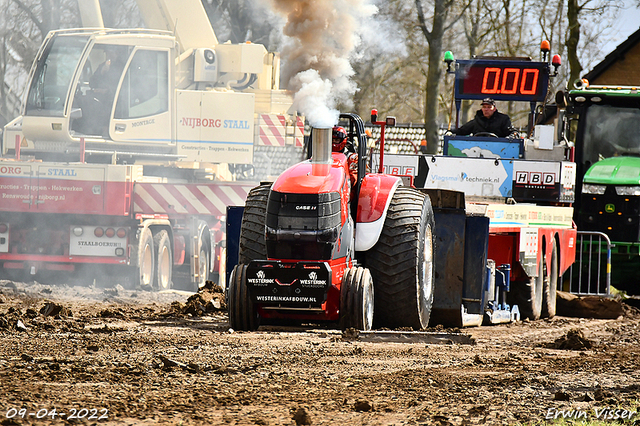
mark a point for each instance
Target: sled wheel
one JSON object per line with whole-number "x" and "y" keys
{"x": 252, "y": 229}
{"x": 528, "y": 294}
{"x": 164, "y": 261}
{"x": 146, "y": 259}
{"x": 550, "y": 285}
{"x": 402, "y": 262}
{"x": 243, "y": 315}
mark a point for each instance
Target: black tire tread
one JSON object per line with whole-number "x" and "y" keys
{"x": 252, "y": 242}
{"x": 393, "y": 261}
{"x": 242, "y": 313}
{"x": 352, "y": 298}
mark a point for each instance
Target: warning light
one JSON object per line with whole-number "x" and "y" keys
{"x": 545, "y": 46}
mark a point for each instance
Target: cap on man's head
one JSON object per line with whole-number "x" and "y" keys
{"x": 488, "y": 101}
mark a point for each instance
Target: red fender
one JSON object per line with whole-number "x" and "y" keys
{"x": 375, "y": 196}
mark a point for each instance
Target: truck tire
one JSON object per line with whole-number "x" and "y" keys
{"x": 243, "y": 315}
{"x": 356, "y": 299}
{"x": 146, "y": 261}
{"x": 402, "y": 262}
{"x": 527, "y": 295}
{"x": 252, "y": 243}
{"x": 164, "y": 261}
{"x": 550, "y": 285}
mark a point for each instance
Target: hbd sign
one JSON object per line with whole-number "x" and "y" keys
{"x": 535, "y": 178}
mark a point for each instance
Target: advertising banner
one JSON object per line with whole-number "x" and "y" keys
{"x": 215, "y": 127}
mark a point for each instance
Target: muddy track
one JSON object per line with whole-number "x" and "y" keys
{"x": 148, "y": 358}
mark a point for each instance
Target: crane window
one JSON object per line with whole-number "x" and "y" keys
{"x": 52, "y": 78}
{"x": 145, "y": 88}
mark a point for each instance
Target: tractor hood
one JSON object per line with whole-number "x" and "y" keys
{"x": 313, "y": 178}
{"x": 615, "y": 171}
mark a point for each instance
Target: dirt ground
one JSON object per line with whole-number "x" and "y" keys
{"x": 115, "y": 356}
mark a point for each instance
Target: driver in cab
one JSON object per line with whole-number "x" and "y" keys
{"x": 488, "y": 120}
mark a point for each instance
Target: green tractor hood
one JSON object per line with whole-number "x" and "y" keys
{"x": 615, "y": 171}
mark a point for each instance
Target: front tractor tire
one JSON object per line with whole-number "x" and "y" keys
{"x": 402, "y": 262}
{"x": 356, "y": 299}
{"x": 243, "y": 315}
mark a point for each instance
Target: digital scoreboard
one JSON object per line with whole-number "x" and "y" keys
{"x": 502, "y": 80}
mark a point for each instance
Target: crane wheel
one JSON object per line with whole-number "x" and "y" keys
{"x": 243, "y": 315}
{"x": 146, "y": 260}
{"x": 252, "y": 242}
{"x": 550, "y": 290}
{"x": 402, "y": 262}
{"x": 204, "y": 260}
{"x": 356, "y": 299}
{"x": 164, "y": 261}
{"x": 527, "y": 294}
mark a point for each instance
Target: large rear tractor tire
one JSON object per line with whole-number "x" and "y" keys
{"x": 146, "y": 261}
{"x": 252, "y": 228}
{"x": 243, "y": 315}
{"x": 527, "y": 295}
{"x": 550, "y": 290}
{"x": 356, "y": 299}
{"x": 164, "y": 261}
{"x": 402, "y": 262}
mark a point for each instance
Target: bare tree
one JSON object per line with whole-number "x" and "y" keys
{"x": 588, "y": 10}
{"x": 434, "y": 36}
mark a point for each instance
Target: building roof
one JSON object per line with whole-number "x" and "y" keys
{"x": 629, "y": 47}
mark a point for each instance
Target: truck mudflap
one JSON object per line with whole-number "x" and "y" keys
{"x": 299, "y": 284}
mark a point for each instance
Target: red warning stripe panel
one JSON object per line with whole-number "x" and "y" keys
{"x": 272, "y": 129}
{"x": 298, "y": 132}
{"x": 189, "y": 199}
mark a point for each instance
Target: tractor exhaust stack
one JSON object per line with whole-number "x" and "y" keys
{"x": 321, "y": 142}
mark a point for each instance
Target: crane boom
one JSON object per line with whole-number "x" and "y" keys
{"x": 90, "y": 13}
{"x": 186, "y": 19}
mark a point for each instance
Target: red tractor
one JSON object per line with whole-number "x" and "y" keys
{"x": 315, "y": 247}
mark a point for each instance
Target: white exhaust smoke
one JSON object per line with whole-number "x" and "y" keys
{"x": 322, "y": 37}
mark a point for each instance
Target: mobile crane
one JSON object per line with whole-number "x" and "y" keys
{"x": 119, "y": 166}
